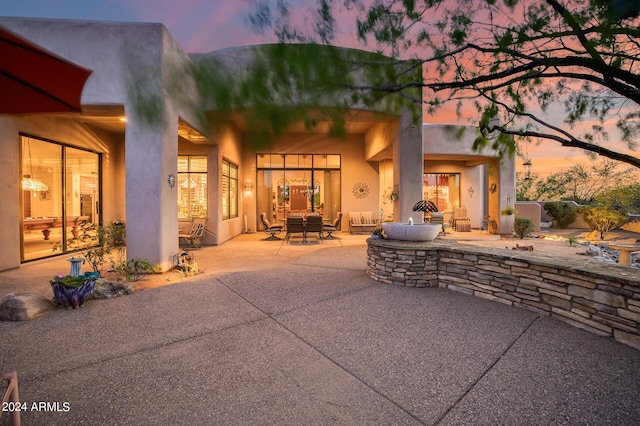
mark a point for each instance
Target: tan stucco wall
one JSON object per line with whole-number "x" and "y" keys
{"x": 231, "y": 149}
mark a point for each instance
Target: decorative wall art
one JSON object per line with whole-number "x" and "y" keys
{"x": 361, "y": 190}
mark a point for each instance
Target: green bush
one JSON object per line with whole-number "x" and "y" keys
{"x": 523, "y": 227}
{"x": 136, "y": 269}
{"x": 604, "y": 218}
{"x": 563, "y": 213}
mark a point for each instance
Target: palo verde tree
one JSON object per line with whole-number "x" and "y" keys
{"x": 563, "y": 71}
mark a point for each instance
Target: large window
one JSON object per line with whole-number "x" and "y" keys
{"x": 298, "y": 183}
{"x": 229, "y": 190}
{"x": 443, "y": 189}
{"x": 60, "y": 196}
{"x": 192, "y": 186}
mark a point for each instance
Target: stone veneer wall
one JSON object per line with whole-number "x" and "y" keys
{"x": 594, "y": 296}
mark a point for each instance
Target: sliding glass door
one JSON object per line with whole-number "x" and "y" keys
{"x": 60, "y": 188}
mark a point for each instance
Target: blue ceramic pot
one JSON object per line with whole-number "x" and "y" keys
{"x": 74, "y": 297}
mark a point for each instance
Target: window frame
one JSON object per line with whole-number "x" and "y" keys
{"x": 188, "y": 173}
{"x": 229, "y": 189}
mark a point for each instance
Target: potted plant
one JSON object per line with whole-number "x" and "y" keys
{"x": 377, "y": 233}
{"x": 508, "y": 211}
{"x": 74, "y": 291}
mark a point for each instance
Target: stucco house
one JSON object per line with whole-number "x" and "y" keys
{"x": 107, "y": 164}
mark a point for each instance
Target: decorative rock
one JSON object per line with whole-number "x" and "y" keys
{"x": 107, "y": 290}
{"x": 24, "y": 306}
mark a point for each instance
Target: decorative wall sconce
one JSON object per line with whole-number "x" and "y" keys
{"x": 248, "y": 186}
{"x": 470, "y": 190}
{"x": 172, "y": 180}
{"x": 493, "y": 187}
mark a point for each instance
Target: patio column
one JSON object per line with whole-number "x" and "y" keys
{"x": 408, "y": 169}
{"x": 151, "y": 152}
{"x": 502, "y": 193}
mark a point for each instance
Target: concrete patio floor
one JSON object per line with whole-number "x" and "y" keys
{"x": 273, "y": 333}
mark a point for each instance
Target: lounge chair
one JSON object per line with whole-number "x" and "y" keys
{"x": 270, "y": 229}
{"x": 334, "y": 227}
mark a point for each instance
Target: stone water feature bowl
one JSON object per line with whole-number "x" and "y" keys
{"x": 407, "y": 232}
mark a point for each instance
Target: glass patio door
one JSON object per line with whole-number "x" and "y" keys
{"x": 299, "y": 184}
{"x": 60, "y": 196}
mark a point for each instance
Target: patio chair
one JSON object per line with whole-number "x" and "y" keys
{"x": 334, "y": 227}
{"x": 295, "y": 225}
{"x": 194, "y": 232}
{"x": 443, "y": 218}
{"x": 461, "y": 221}
{"x": 314, "y": 224}
{"x": 270, "y": 229}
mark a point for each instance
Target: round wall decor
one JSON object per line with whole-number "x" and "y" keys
{"x": 361, "y": 190}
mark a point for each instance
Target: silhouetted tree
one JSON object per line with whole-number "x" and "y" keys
{"x": 543, "y": 67}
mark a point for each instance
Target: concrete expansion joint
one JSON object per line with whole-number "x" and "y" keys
{"x": 488, "y": 369}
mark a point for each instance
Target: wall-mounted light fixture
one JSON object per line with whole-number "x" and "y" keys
{"x": 493, "y": 187}
{"x": 248, "y": 186}
{"x": 171, "y": 179}
{"x": 470, "y": 190}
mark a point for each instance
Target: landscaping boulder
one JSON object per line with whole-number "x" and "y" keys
{"x": 106, "y": 289}
{"x": 24, "y": 306}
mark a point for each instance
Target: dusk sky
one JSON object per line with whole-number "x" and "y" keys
{"x": 206, "y": 25}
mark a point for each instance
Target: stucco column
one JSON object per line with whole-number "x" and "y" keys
{"x": 152, "y": 218}
{"x": 408, "y": 168}
{"x": 503, "y": 194}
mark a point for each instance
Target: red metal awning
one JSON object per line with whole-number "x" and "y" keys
{"x": 34, "y": 80}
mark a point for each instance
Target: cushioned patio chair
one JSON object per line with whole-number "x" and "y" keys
{"x": 270, "y": 229}
{"x": 443, "y": 218}
{"x": 334, "y": 227}
{"x": 461, "y": 221}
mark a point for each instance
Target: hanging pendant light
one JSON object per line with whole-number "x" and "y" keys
{"x": 31, "y": 184}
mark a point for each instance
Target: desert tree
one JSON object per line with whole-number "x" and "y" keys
{"x": 555, "y": 71}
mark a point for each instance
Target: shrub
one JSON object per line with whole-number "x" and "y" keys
{"x": 523, "y": 227}
{"x": 563, "y": 213}
{"x": 136, "y": 269}
{"x": 604, "y": 218}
